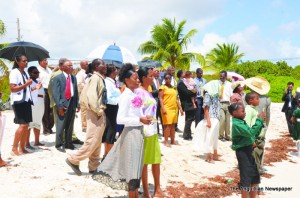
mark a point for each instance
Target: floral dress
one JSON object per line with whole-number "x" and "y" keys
{"x": 152, "y": 154}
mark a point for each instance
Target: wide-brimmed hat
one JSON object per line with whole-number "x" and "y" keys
{"x": 236, "y": 84}
{"x": 258, "y": 84}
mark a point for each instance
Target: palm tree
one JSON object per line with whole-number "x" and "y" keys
{"x": 223, "y": 56}
{"x": 168, "y": 45}
{"x": 4, "y": 74}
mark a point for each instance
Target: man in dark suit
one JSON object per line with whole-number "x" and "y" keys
{"x": 289, "y": 104}
{"x": 188, "y": 107}
{"x": 157, "y": 81}
{"x": 65, "y": 95}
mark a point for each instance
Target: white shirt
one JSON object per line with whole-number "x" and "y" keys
{"x": 127, "y": 113}
{"x": 72, "y": 88}
{"x": 80, "y": 77}
{"x": 227, "y": 92}
{"x": 35, "y": 93}
{"x": 44, "y": 76}
{"x": 156, "y": 83}
{"x": 15, "y": 77}
{"x": 113, "y": 93}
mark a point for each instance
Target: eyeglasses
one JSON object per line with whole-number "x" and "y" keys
{"x": 35, "y": 72}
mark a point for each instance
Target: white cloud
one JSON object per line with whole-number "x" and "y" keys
{"x": 291, "y": 27}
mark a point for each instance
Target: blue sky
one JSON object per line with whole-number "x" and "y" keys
{"x": 263, "y": 29}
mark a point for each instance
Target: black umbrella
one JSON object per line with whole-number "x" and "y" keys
{"x": 149, "y": 63}
{"x": 32, "y": 51}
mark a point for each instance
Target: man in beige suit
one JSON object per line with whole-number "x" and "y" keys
{"x": 93, "y": 96}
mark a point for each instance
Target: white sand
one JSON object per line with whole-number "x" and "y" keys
{"x": 44, "y": 172}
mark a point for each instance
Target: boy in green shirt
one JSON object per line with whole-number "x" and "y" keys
{"x": 243, "y": 143}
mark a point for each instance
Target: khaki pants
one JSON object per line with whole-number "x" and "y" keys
{"x": 92, "y": 145}
{"x": 83, "y": 115}
{"x": 224, "y": 120}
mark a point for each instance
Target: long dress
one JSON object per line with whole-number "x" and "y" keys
{"x": 123, "y": 165}
{"x": 206, "y": 139}
{"x": 170, "y": 105}
{"x": 152, "y": 154}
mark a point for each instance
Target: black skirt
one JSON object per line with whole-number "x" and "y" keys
{"x": 109, "y": 135}
{"x": 23, "y": 112}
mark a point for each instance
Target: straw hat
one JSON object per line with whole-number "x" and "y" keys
{"x": 236, "y": 84}
{"x": 258, "y": 84}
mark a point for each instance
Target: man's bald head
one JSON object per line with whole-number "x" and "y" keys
{"x": 84, "y": 65}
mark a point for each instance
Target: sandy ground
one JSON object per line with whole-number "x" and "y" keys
{"x": 44, "y": 173}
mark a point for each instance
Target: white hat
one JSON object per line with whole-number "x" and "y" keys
{"x": 258, "y": 84}
{"x": 236, "y": 84}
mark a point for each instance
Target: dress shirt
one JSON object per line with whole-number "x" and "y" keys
{"x": 44, "y": 76}
{"x": 72, "y": 87}
{"x": 200, "y": 82}
{"x": 113, "y": 92}
{"x": 227, "y": 92}
{"x": 80, "y": 77}
{"x": 156, "y": 83}
{"x": 127, "y": 114}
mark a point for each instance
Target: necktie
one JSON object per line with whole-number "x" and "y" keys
{"x": 200, "y": 89}
{"x": 68, "y": 88}
{"x": 222, "y": 90}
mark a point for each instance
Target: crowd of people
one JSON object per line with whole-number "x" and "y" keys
{"x": 133, "y": 103}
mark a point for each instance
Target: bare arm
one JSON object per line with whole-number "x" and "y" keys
{"x": 16, "y": 88}
{"x": 206, "y": 114}
{"x": 161, "y": 96}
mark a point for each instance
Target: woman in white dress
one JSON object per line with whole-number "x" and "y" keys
{"x": 123, "y": 165}
{"x": 207, "y": 131}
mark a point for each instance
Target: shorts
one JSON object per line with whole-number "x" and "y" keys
{"x": 248, "y": 170}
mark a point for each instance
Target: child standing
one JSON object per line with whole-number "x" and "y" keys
{"x": 190, "y": 85}
{"x": 243, "y": 143}
{"x": 252, "y": 100}
{"x": 296, "y": 121}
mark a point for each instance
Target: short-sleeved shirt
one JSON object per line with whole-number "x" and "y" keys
{"x": 17, "y": 78}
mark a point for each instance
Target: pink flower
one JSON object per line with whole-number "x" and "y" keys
{"x": 137, "y": 102}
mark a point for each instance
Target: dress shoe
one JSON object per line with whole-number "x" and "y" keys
{"x": 61, "y": 149}
{"x": 188, "y": 139}
{"x": 71, "y": 147}
{"x": 77, "y": 141}
{"x": 93, "y": 171}
{"x": 74, "y": 167}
